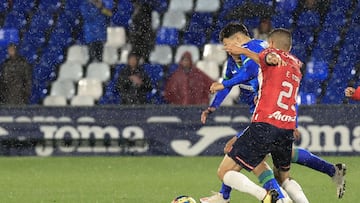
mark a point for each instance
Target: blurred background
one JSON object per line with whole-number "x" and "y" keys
{"x": 76, "y": 47}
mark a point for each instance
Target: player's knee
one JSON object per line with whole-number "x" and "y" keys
{"x": 221, "y": 173}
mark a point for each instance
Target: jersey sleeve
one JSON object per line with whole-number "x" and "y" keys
{"x": 250, "y": 71}
{"x": 219, "y": 97}
{"x": 356, "y": 95}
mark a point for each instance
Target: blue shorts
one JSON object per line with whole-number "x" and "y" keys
{"x": 260, "y": 139}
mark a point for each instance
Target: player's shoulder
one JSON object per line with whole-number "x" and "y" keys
{"x": 256, "y": 45}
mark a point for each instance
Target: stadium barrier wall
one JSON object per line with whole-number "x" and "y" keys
{"x": 161, "y": 130}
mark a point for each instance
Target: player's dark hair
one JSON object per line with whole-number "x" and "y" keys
{"x": 282, "y": 37}
{"x": 231, "y": 29}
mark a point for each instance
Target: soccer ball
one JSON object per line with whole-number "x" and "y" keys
{"x": 184, "y": 199}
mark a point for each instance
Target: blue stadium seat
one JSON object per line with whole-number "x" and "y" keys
{"x": 8, "y": 36}
{"x": 50, "y": 6}
{"x": 228, "y": 6}
{"x": 200, "y": 22}
{"x": 307, "y": 98}
{"x": 303, "y": 35}
{"x": 167, "y": 36}
{"x": 311, "y": 86}
{"x": 299, "y": 50}
{"x": 334, "y": 92}
{"x": 42, "y": 20}
{"x": 23, "y": 6}
{"x": 343, "y": 5}
{"x": 4, "y": 6}
{"x": 286, "y": 5}
{"x": 73, "y": 6}
{"x": 252, "y": 23}
{"x": 111, "y": 95}
{"x": 316, "y": 70}
{"x": 52, "y": 55}
{"x": 309, "y": 19}
{"x": 15, "y": 19}
{"x": 282, "y": 19}
{"x": 122, "y": 14}
{"x": 195, "y": 38}
{"x": 156, "y": 74}
{"x": 335, "y": 19}
{"x": 3, "y": 54}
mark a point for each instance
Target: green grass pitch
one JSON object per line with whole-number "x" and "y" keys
{"x": 144, "y": 180}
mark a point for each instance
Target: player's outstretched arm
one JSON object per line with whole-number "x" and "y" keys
{"x": 237, "y": 49}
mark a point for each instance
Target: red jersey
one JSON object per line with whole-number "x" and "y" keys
{"x": 278, "y": 88}
{"x": 356, "y": 95}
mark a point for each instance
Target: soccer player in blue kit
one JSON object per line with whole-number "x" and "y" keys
{"x": 245, "y": 75}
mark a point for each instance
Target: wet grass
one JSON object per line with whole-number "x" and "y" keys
{"x": 143, "y": 179}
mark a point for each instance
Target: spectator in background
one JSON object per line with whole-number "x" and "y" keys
{"x": 141, "y": 34}
{"x": 133, "y": 83}
{"x": 188, "y": 85}
{"x": 95, "y": 14}
{"x": 15, "y": 79}
{"x": 264, "y": 28}
{"x": 353, "y": 93}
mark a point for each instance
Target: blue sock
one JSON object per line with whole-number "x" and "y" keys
{"x": 306, "y": 158}
{"x": 269, "y": 182}
{"x": 225, "y": 191}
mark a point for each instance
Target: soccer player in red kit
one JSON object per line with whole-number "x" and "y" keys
{"x": 271, "y": 128}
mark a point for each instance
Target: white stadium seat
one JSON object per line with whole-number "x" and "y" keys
{"x": 65, "y": 88}
{"x": 210, "y": 68}
{"x": 90, "y": 87}
{"x": 207, "y": 5}
{"x": 174, "y": 19}
{"x": 116, "y": 37}
{"x": 98, "y": 70}
{"x": 162, "y": 54}
{"x": 70, "y": 71}
{"x": 52, "y": 100}
{"x": 181, "y": 5}
{"x": 194, "y": 50}
{"x": 214, "y": 52}
{"x": 82, "y": 100}
{"x": 78, "y": 54}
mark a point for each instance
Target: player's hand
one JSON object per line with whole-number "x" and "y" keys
{"x": 229, "y": 145}
{"x": 206, "y": 113}
{"x": 235, "y": 49}
{"x": 275, "y": 59}
{"x": 297, "y": 134}
{"x": 349, "y": 91}
{"x": 216, "y": 86}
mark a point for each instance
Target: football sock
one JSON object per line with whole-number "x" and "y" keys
{"x": 225, "y": 191}
{"x": 242, "y": 183}
{"x": 306, "y": 158}
{"x": 269, "y": 182}
{"x": 294, "y": 191}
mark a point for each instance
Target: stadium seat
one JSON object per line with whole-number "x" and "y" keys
{"x": 78, "y": 54}
{"x": 125, "y": 50}
{"x": 316, "y": 70}
{"x": 174, "y": 19}
{"x": 54, "y": 100}
{"x": 23, "y": 6}
{"x": 336, "y": 19}
{"x": 287, "y": 6}
{"x": 210, "y": 68}
{"x": 98, "y": 70}
{"x": 70, "y": 71}
{"x": 207, "y": 6}
{"x": 82, "y": 100}
{"x": 42, "y": 20}
{"x": 110, "y": 55}
{"x": 15, "y": 19}
{"x": 194, "y": 51}
{"x": 181, "y": 5}
{"x": 161, "y": 54}
{"x": 309, "y": 19}
{"x": 214, "y": 52}
{"x": 65, "y": 88}
{"x": 200, "y": 22}
{"x": 50, "y": 6}
{"x": 155, "y": 20}
{"x": 167, "y": 36}
{"x": 90, "y": 87}
{"x": 111, "y": 95}
{"x": 307, "y": 98}
{"x": 156, "y": 74}
{"x": 195, "y": 38}
{"x": 122, "y": 15}
{"x": 8, "y": 36}
{"x": 282, "y": 19}
{"x": 116, "y": 37}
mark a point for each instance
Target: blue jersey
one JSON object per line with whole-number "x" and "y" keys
{"x": 245, "y": 76}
